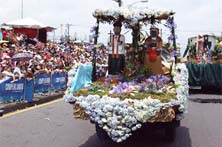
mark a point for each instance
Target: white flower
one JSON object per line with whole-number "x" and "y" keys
{"x": 138, "y": 126}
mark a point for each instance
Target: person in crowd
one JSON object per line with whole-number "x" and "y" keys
{"x": 8, "y": 73}
{"x": 1, "y": 35}
{"x": 17, "y": 71}
{"x": 1, "y": 77}
{"x": 4, "y": 33}
{"x": 29, "y": 74}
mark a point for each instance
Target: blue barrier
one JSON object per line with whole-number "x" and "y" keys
{"x": 58, "y": 81}
{"x": 29, "y": 90}
{"x": 42, "y": 83}
{"x": 12, "y": 91}
{"x": 24, "y": 89}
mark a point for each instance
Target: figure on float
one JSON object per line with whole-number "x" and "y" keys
{"x": 153, "y": 45}
{"x": 116, "y": 49}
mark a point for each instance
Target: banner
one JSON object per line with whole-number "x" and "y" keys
{"x": 42, "y": 83}
{"x": 12, "y": 90}
{"x": 24, "y": 89}
{"x": 58, "y": 81}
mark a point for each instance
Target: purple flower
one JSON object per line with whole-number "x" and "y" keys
{"x": 125, "y": 85}
{"x": 156, "y": 82}
{"x": 149, "y": 80}
{"x": 132, "y": 83}
{"x": 141, "y": 88}
{"x": 118, "y": 89}
{"x": 170, "y": 23}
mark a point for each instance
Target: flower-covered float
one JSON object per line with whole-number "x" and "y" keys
{"x": 123, "y": 103}
{"x": 204, "y": 55}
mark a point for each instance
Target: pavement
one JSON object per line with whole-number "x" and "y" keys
{"x": 37, "y": 100}
{"x": 199, "y": 96}
{"x": 52, "y": 125}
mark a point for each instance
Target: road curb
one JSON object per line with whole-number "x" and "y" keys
{"x": 20, "y": 106}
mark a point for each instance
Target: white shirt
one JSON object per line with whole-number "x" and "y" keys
{"x": 7, "y": 74}
{"x": 121, "y": 46}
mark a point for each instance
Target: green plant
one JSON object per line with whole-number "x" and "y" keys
{"x": 217, "y": 51}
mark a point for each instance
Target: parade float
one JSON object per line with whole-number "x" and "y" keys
{"x": 204, "y": 54}
{"x": 142, "y": 95}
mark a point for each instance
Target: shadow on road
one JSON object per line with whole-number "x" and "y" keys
{"x": 152, "y": 139}
{"x": 201, "y": 100}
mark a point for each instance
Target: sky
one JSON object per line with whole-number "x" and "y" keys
{"x": 193, "y": 17}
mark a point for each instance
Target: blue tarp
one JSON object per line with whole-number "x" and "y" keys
{"x": 82, "y": 78}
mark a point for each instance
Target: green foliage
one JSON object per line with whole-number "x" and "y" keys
{"x": 133, "y": 71}
{"x": 217, "y": 51}
{"x": 142, "y": 70}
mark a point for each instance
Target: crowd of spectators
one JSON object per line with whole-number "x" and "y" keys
{"x": 46, "y": 57}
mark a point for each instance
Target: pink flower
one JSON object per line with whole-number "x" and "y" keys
{"x": 127, "y": 90}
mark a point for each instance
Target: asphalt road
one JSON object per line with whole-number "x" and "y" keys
{"x": 53, "y": 125}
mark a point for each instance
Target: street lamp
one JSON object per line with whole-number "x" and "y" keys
{"x": 142, "y": 1}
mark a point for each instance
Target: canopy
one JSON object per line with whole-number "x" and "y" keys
{"x": 28, "y": 23}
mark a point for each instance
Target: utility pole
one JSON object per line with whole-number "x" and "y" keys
{"x": 68, "y": 26}
{"x": 61, "y": 25}
{"x": 62, "y": 34}
{"x": 68, "y": 34}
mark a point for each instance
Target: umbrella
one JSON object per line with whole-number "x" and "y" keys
{"x": 22, "y": 57}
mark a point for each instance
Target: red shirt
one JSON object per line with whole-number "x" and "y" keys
{"x": 152, "y": 54}
{"x": 4, "y": 34}
{"x": 47, "y": 57}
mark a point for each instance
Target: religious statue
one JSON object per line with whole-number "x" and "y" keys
{"x": 116, "y": 49}
{"x": 153, "y": 45}
{"x": 200, "y": 49}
